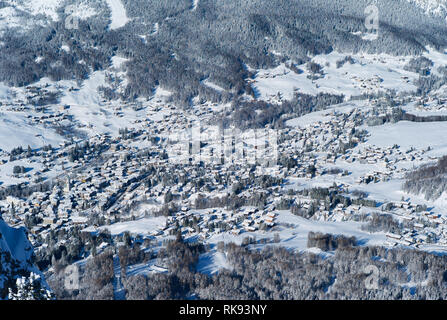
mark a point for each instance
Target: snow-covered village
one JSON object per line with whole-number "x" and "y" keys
{"x": 154, "y": 168}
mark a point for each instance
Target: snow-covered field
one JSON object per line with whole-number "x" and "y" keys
{"x": 119, "y": 15}
{"x": 410, "y": 134}
{"x": 374, "y": 72}
{"x": 4, "y": 92}
{"x": 369, "y": 73}
{"x": 142, "y": 226}
{"x": 17, "y": 13}
{"x": 15, "y": 131}
{"x": 82, "y": 11}
{"x": 212, "y": 85}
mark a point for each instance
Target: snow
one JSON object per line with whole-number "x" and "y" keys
{"x": 88, "y": 94}
{"x": 439, "y": 58}
{"x": 156, "y": 28}
{"x": 435, "y": 7}
{"x": 15, "y": 242}
{"x": 4, "y": 91}
{"x": 411, "y": 134}
{"x": 430, "y": 109}
{"x": 308, "y": 119}
{"x": 161, "y": 94}
{"x": 195, "y": 3}
{"x": 346, "y": 80}
{"x": 49, "y": 8}
{"x": 213, "y": 85}
{"x": 119, "y": 15}
{"x": 15, "y": 131}
{"x": 145, "y": 269}
{"x": 294, "y": 230}
{"x": 117, "y": 62}
{"x": 143, "y": 226}
{"x": 13, "y": 17}
{"x": 212, "y": 262}
{"x": 88, "y": 109}
{"x": 45, "y": 7}
{"x": 42, "y": 11}
{"x": 83, "y": 11}
{"x": 9, "y": 18}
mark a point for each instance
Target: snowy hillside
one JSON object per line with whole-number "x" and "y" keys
{"x": 15, "y": 257}
{"x": 46, "y": 8}
{"x": 15, "y": 242}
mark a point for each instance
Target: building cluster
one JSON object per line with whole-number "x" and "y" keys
{"x": 143, "y": 171}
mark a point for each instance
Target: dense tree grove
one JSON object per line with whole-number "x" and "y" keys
{"x": 257, "y": 114}
{"x": 339, "y": 272}
{"x": 429, "y": 180}
{"x": 277, "y": 273}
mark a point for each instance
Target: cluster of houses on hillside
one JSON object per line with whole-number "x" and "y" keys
{"x": 206, "y": 223}
{"x": 107, "y": 179}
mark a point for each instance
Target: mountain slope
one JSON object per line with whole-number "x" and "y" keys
{"x": 434, "y": 7}
{"x": 15, "y": 257}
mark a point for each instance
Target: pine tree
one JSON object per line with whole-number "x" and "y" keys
{"x": 30, "y": 288}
